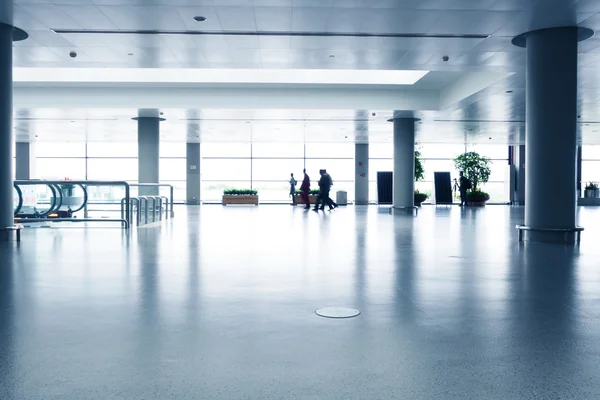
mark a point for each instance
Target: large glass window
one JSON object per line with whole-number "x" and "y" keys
{"x": 210, "y": 149}
{"x": 112, "y": 149}
{"x": 278, "y": 150}
{"x": 439, "y": 158}
{"x": 277, "y": 169}
{"x": 108, "y": 169}
{"x": 590, "y": 164}
{"x": 172, "y": 169}
{"x": 60, "y": 168}
{"x": 223, "y": 170}
{"x": 330, "y": 150}
{"x": 60, "y": 150}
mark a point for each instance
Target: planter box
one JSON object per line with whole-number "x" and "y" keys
{"x": 419, "y": 199}
{"x": 240, "y": 200}
{"x": 477, "y": 201}
{"x": 312, "y": 199}
{"x": 591, "y": 193}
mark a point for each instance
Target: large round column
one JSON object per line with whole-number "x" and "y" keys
{"x": 6, "y": 131}
{"x": 361, "y": 174}
{"x": 148, "y": 153}
{"x": 551, "y": 133}
{"x": 404, "y": 162}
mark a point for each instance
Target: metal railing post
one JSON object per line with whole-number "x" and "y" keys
{"x": 127, "y": 203}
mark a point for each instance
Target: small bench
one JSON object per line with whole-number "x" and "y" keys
{"x": 16, "y": 228}
{"x": 577, "y": 230}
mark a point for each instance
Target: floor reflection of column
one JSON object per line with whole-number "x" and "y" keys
{"x": 360, "y": 265}
{"x": 148, "y": 335}
{"x": 406, "y": 264}
{"x": 544, "y": 328}
{"x": 8, "y": 328}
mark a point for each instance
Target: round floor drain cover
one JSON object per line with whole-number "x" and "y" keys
{"x": 337, "y": 312}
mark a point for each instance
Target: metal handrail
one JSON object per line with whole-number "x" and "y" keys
{"x": 20, "y": 202}
{"x": 159, "y": 185}
{"x": 89, "y": 183}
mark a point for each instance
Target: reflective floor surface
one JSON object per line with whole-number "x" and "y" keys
{"x": 219, "y": 303}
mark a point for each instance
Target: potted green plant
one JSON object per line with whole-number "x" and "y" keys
{"x": 240, "y": 196}
{"x": 419, "y": 176}
{"x": 420, "y": 198}
{"x": 313, "y": 194}
{"x": 477, "y": 169}
{"x": 591, "y": 190}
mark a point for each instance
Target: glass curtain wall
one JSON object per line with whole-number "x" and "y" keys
{"x": 438, "y": 158}
{"x": 267, "y": 167}
{"x": 590, "y": 165}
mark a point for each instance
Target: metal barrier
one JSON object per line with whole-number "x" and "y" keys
{"x": 170, "y": 212}
{"x": 151, "y": 207}
{"x": 57, "y": 200}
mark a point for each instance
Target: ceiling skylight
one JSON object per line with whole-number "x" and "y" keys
{"x": 203, "y": 76}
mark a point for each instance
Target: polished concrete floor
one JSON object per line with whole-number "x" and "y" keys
{"x": 219, "y": 303}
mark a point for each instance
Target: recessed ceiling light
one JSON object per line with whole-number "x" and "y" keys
{"x": 199, "y": 18}
{"x": 331, "y": 56}
{"x": 508, "y": 91}
{"x": 129, "y": 54}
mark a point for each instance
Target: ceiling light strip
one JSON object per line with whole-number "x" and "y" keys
{"x": 270, "y": 33}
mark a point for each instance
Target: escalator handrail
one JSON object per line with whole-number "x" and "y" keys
{"x": 20, "y": 202}
{"x": 57, "y": 204}
{"x": 85, "y": 198}
{"x": 53, "y": 202}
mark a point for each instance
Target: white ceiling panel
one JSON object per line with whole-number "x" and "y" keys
{"x": 25, "y": 20}
{"x": 89, "y": 17}
{"x": 47, "y": 38}
{"x": 472, "y": 22}
{"x": 391, "y": 21}
{"x": 274, "y": 42}
{"x": 144, "y": 18}
{"x": 187, "y": 15}
{"x": 236, "y": 18}
{"x": 273, "y": 18}
{"x": 310, "y": 19}
{"x": 345, "y": 20}
{"x": 51, "y": 15}
{"x": 242, "y": 42}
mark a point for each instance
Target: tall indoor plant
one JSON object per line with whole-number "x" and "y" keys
{"x": 477, "y": 169}
{"x": 419, "y": 176}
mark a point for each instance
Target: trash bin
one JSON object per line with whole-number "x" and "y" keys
{"x": 341, "y": 198}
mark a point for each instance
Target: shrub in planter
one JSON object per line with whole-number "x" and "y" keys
{"x": 311, "y": 192}
{"x": 240, "y": 192}
{"x": 477, "y": 197}
{"x": 591, "y": 190}
{"x": 240, "y": 196}
{"x": 420, "y": 198}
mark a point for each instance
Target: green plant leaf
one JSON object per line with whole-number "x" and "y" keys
{"x": 419, "y": 170}
{"x": 475, "y": 167}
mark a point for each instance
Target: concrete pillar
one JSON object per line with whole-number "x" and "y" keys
{"x": 361, "y": 177}
{"x": 193, "y": 181}
{"x": 551, "y": 132}
{"x": 25, "y": 161}
{"x": 148, "y": 153}
{"x": 404, "y": 162}
{"x": 578, "y": 167}
{"x": 6, "y": 129}
{"x": 519, "y": 163}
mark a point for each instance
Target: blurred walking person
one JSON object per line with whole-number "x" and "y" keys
{"x": 305, "y": 190}
{"x": 293, "y": 183}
